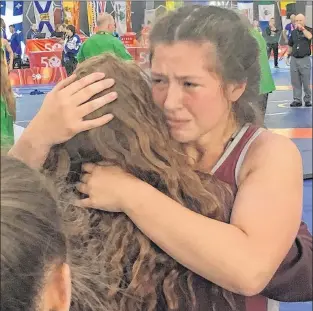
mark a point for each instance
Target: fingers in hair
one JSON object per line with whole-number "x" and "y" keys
{"x": 82, "y": 188}
{"x": 97, "y": 103}
{"x": 64, "y": 83}
{"x": 83, "y": 95}
{"x": 85, "y": 203}
{"x": 81, "y": 84}
{"x": 88, "y": 167}
{"x": 91, "y": 124}
{"x": 85, "y": 178}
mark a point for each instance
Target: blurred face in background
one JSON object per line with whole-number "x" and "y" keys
{"x": 292, "y": 18}
{"x": 300, "y": 20}
{"x": 272, "y": 22}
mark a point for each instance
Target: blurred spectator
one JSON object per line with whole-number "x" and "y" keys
{"x": 289, "y": 28}
{"x": 103, "y": 41}
{"x": 72, "y": 44}
{"x": 272, "y": 35}
{"x": 32, "y": 32}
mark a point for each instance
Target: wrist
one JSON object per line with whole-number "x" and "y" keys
{"x": 30, "y": 149}
{"x": 35, "y": 138}
{"x": 138, "y": 193}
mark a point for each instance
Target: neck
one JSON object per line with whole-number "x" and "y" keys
{"x": 209, "y": 148}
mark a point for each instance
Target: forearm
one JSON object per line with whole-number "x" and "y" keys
{"x": 29, "y": 150}
{"x": 307, "y": 34}
{"x": 217, "y": 251}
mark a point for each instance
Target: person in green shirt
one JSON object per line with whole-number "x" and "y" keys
{"x": 103, "y": 41}
{"x": 7, "y": 105}
{"x": 267, "y": 84}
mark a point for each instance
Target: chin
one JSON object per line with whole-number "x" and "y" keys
{"x": 183, "y": 137}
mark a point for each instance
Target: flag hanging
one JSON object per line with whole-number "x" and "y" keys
{"x": 94, "y": 8}
{"x": 246, "y": 7}
{"x": 120, "y": 17}
{"x": 283, "y": 7}
{"x": 12, "y": 14}
{"x": 170, "y": 5}
{"x": 129, "y": 16}
{"x": 71, "y": 13}
{"x": 44, "y": 16}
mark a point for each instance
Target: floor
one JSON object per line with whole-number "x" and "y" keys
{"x": 296, "y": 123}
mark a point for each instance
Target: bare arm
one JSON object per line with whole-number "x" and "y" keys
{"x": 244, "y": 255}
{"x": 307, "y": 34}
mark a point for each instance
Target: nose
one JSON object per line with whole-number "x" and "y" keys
{"x": 174, "y": 97}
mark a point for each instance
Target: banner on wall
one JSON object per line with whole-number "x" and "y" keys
{"x": 120, "y": 17}
{"x": 266, "y": 12}
{"x": 71, "y": 13}
{"x": 246, "y": 7}
{"x": 12, "y": 14}
{"x": 44, "y": 15}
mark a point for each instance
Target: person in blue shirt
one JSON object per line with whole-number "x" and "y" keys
{"x": 289, "y": 28}
{"x": 72, "y": 44}
{"x": 15, "y": 42}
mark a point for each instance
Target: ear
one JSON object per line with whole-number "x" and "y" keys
{"x": 57, "y": 289}
{"x": 234, "y": 91}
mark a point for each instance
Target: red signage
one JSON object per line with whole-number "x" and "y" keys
{"x": 31, "y": 76}
{"x": 52, "y": 59}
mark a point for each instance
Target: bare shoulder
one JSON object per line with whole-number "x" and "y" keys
{"x": 271, "y": 151}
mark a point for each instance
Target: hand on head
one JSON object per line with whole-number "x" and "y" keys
{"x": 62, "y": 112}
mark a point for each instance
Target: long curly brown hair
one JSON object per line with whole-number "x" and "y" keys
{"x": 114, "y": 265}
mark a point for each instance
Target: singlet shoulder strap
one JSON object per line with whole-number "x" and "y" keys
{"x": 244, "y": 152}
{"x": 236, "y": 138}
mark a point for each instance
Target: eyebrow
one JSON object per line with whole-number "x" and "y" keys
{"x": 186, "y": 77}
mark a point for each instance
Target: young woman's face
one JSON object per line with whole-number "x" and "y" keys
{"x": 186, "y": 87}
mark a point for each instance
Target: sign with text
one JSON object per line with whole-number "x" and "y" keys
{"x": 52, "y": 59}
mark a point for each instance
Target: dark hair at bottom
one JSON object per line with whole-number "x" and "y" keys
{"x": 32, "y": 238}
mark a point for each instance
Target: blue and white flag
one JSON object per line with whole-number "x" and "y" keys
{"x": 44, "y": 16}
{"x": 12, "y": 14}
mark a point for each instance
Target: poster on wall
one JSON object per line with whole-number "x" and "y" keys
{"x": 266, "y": 12}
{"x": 246, "y": 7}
